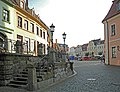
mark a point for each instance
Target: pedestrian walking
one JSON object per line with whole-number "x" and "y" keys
{"x": 103, "y": 59}
{"x": 71, "y": 66}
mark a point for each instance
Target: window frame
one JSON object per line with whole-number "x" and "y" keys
{"x": 113, "y": 30}
{"x": 114, "y": 52}
{"x": 19, "y": 23}
{"x": 118, "y": 5}
{"x": 8, "y": 18}
{"x": 37, "y": 30}
{"x": 32, "y": 26}
{"x": 26, "y": 27}
{"x": 43, "y": 35}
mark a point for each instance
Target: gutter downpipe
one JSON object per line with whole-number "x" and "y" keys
{"x": 107, "y": 43}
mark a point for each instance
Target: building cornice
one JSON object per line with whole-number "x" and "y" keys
{"x": 6, "y": 28}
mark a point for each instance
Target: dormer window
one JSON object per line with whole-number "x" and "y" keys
{"x": 118, "y": 5}
{"x": 21, "y": 4}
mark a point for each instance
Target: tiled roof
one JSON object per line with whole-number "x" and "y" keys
{"x": 113, "y": 11}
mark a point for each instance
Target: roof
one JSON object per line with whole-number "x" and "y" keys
{"x": 113, "y": 11}
{"x": 30, "y": 11}
{"x": 96, "y": 42}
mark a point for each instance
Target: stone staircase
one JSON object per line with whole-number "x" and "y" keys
{"x": 20, "y": 80}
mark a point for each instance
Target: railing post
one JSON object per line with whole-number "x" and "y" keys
{"x": 32, "y": 78}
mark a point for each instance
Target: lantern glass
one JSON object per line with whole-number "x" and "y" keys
{"x": 64, "y": 35}
{"x": 52, "y": 28}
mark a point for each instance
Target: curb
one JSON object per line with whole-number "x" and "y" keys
{"x": 58, "y": 81}
{"x": 9, "y": 89}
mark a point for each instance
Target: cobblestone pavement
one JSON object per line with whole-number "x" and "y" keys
{"x": 92, "y": 76}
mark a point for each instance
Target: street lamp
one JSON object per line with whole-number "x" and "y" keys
{"x": 52, "y": 30}
{"x": 64, "y": 37}
{"x": 52, "y": 52}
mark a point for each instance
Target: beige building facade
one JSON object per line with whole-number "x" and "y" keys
{"x": 112, "y": 34}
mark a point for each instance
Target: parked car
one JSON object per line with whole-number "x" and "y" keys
{"x": 98, "y": 56}
{"x": 86, "y": 58}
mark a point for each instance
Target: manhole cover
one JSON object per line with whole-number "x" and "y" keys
{"x": 91, "y": 79}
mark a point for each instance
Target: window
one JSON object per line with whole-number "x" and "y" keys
{"x": 20, "y": 38}
{"x": 37, "y": 30}
{"x": 22, "y": 4}
{"x": 113, "y": 52}
{"x": 40, "y": 32}
{"x": 27, "y": 44}
{"x": 32, "y": 45}
{"x": 31, "y": 27}
{"x": 113, "y": 30}
{"x": 26, "y": 25}
{"x": 5, "y": 15}
{"x": 19, "y": 22}
{"x": 44, "y": 35}
{"x": 118, "y": 5}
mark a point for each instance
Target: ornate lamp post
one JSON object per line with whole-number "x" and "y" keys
{"x": 52, "y": 53}
{"x": 64, "y": 37}
{"x": 52, "y": 30}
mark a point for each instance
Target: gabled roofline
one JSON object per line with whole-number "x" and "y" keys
{"x": 112, "y": 12}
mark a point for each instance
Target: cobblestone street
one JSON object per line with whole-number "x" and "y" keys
{"x": 92, "y": 76}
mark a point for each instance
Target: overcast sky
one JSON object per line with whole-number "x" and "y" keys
{"x": 81, "y": 20}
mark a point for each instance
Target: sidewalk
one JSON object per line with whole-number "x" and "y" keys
{"x": 41, "y": 85}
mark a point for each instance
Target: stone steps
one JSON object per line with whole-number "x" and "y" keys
{"x": 20, "y": 80}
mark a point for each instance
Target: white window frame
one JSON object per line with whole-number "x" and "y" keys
{"x": 114, "y": 52}
{"x": 32, "y": 27}
{"x": 32, "y": 45}
{"x": 19, "y": 21}
{"x": 27, "y": 41}
{"x": 113, "y": 30}
{"x": 25, "y": 24}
